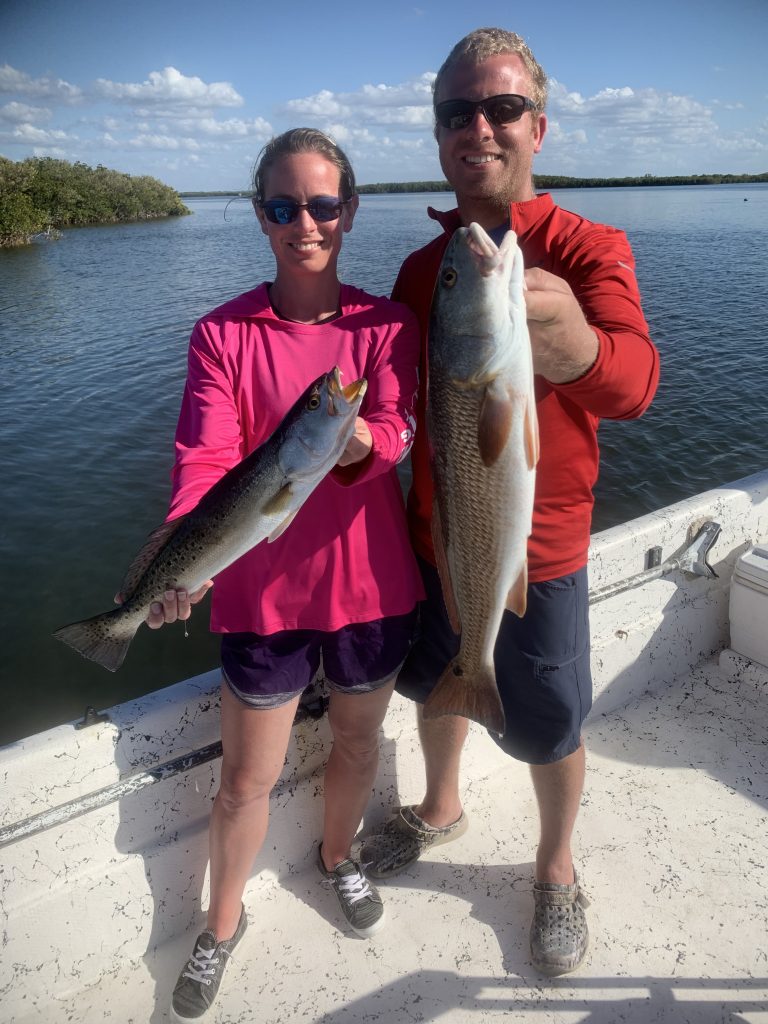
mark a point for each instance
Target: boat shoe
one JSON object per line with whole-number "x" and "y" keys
{"x": 403, "y": 839}
{"x": 559, "y": 933}
{"x": 199, "y": 981}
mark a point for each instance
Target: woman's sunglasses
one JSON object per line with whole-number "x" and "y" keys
{"x": 321, "y": 209}
{"x": 497, "y": 110}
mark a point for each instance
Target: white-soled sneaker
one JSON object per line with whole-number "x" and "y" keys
{"x": 359, "y": 900}
{"x": 200, "y": 978}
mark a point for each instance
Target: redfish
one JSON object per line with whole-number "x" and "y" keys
{"x": 483, "y": 433}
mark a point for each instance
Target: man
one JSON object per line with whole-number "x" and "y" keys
{"x": 593, "y": 358}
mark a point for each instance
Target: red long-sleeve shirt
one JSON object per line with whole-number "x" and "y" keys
{"x": 597, "y": 262}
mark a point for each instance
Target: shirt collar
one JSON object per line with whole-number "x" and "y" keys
{"x": 522, "y": 216}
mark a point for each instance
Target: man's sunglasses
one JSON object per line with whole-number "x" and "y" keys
{"x": 497, "y": 110}
{"x": 321, "y": 209}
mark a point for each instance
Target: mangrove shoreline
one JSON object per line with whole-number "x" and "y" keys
{"x": 41, "y": 195}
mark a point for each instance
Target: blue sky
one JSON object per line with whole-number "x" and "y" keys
{"x": 189, "y": 92}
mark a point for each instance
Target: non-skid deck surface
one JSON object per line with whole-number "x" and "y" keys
{"x": 672, "y": 849}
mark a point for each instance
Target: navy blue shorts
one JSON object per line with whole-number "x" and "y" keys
{"x": 542, "y": 664}
{"x": 268, "y": 671}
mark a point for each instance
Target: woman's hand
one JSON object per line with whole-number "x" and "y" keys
{"x": 358, "y": 446}
{"x": 176, "y": 604}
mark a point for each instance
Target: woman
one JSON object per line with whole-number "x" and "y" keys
{"x": 341, "y": 580}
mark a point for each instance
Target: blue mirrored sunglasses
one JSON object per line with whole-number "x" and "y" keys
{"x": 321, "y": 209}
{"x": 497, "y": 110}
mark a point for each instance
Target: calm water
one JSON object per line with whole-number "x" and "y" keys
{"x": 93, "y": 336}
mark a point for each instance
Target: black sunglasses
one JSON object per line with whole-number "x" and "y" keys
{"x": 321, "y": 209}
{"x": 497, "y": 110}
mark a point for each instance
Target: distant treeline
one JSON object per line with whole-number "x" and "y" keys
{"x": 541, "y": 181}
{"x": 42, "y": 193}
{"x": 547, "y": 181}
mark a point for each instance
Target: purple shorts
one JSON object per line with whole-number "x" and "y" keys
{"x": 268, "y": 671}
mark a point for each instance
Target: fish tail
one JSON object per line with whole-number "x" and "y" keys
{"x": 475, "y": 697}
{"x": 104, "y": 638}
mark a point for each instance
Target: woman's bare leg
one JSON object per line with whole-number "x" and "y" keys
{"x": 355, "y": 720}
{"x": 254, "y": 742}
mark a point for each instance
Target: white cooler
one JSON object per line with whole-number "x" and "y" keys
{"x": 749, "y": 605}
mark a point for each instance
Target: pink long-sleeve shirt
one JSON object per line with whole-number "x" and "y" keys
{"x": 346, "y": 557}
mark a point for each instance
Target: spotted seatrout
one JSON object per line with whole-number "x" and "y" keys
{"x": 255, "y": 500}
{"x": 483, "y": 432}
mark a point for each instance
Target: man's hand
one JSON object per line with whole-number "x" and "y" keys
{"x": 564, "y": 345}
{"x": 176, "y": 604}
{"x": 358, "y": 446}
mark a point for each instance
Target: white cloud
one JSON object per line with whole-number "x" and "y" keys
{"x": 40, "y": 136}
{"x": 164, "y": 142}
{"x": 637, "y": 111}
{"x": 557, "y": 135}
{"x": 727, "y": 106}
{"x": 184, "y": 134}
{"x": 17, "y": 113}
{"x": 171, "y": 86}
{"x": 19, "y": 82}
{"x": 172, "y": 122}
{"x": 403, "y": 107}
{"x": 233, "y": 128}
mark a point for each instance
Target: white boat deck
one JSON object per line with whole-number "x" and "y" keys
{"x": 671, "y": 847}
{"x": 99, "y": 912}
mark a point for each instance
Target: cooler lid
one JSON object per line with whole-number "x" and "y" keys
{"x": 753, "y": 565}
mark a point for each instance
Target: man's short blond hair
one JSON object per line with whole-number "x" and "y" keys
{"x": 483, "y": 43}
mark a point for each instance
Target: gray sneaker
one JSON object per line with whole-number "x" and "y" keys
{"x": 559, "y": 933}
{"x": 359, "y": 900}
{"x": 200, "y": 979}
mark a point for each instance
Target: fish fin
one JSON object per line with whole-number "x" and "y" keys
{"x": 444, "y": 572}
{"x": 531, "y": 433}
{"x": 101, "y": 639}
{"x": 517, "y": 599}
{"x": 154, "y": 542}
{"x": 494, "y": 424}
{"x": 474, "y": 697}
{"x": 279, "y": 502}
{"x": 279, "y": 530}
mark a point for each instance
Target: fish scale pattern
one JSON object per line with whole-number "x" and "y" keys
{"x": 475, "y": 503}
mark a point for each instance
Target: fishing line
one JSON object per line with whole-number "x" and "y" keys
{"x": 235, "y": 199}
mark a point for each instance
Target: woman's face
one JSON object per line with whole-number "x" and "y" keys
{"x": 305, "y": 245}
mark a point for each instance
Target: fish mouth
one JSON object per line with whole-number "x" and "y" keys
{"x": 352, "y": 391}
{"x": 485, "y": 250}
{"x": 355, "y": 390}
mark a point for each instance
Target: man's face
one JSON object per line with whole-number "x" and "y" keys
{"x": 488, "y": 166}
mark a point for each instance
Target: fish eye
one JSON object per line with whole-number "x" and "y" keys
{"x": 450, "y": 277}
{"x": 313, "y": 402}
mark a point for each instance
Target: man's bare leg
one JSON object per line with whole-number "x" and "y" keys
{"x": 558, "y": 789}
{"x": 442, "y": 740}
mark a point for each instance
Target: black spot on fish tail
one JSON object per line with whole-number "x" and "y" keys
{"x": 475, "y": 697}
{"x": 104, "y": 639}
